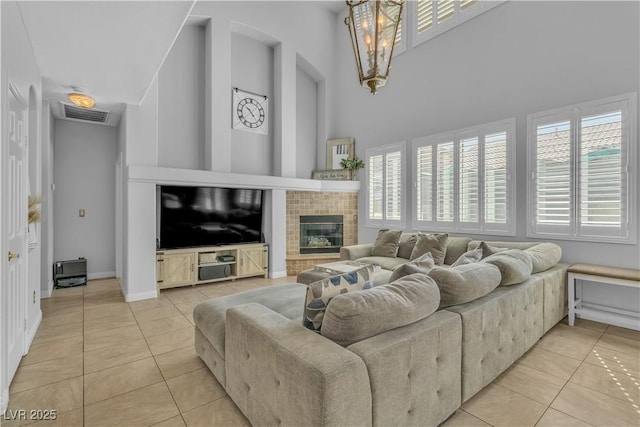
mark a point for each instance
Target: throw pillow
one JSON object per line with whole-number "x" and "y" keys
{"x": 488, "y": 250}
{"x": 407, "y": 242}
{"x": 468, "y": 257}
{"x": 515, "y": 265}
{"x": 386, "y": 243}
{"x": 419, "y": 265}
{"x": 321, "y": 292}
{"x": 434, "y": 243}
{"x": 465, "y": 283}
{"x": 356, "y": 316}
{"x": 544, "y": 256}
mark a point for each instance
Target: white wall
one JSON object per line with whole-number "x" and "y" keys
{"x": 252, "y": 70}
{"x": 46, "y": 225}
{"x": 84, "y": 158}
{"x": 306, "y": 123}
{"x": 181, "y": 97}
{"x": 519, "y": 58}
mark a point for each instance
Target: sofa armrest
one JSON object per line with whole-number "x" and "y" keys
{"x": 355, "y": 251}
{"x": 279, "y": 372}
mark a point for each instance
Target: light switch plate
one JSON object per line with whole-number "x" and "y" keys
{"x": 81, "y": 213}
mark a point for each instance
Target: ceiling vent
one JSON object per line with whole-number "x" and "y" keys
{"x": 96, "y": 116}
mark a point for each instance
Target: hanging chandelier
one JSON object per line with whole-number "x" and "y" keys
{"x": 373, "y": 25}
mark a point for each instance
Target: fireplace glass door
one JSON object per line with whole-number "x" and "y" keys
{"x": 320, "y": 234}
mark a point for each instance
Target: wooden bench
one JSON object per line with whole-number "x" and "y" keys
{"x": 628, "y": 277}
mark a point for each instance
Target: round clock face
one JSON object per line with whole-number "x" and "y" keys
{"x": 250, "y": 113}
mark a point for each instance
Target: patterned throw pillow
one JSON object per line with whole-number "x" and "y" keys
{"x": 321, "y": 292}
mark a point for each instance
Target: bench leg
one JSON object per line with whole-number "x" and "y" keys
{"x": 571, "y": 284}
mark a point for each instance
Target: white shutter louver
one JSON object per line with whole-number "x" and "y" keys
{"x": 601, "y": 162}
{"x": 425, "y": 15}
{"x": 468, "y": 181}
{"x": 385, "y": 186}
{"x": 444, "y": 183}
{"x": 375, "y": 187}
{"x": 445, "y": 10}
{"x": 424, "y": 184}
{"x": 393, "y": 186}
{"x": 553, "y": 175}
{"x": 495, "y": 178}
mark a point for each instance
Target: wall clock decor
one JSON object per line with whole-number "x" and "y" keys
{"x": 250, "y": 112}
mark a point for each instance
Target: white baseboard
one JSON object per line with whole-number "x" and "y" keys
{"x": 31, "y": 333}
{"x": 104, "y": 275}
{"x": 277, "y": 274}
{"x": 46, "y": 293}
{"x": 140, "y": 296}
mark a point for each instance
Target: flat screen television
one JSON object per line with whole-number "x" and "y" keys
{"x": 209, "y": 216}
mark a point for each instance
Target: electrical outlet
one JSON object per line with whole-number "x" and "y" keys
{"x": 81, "y": 213}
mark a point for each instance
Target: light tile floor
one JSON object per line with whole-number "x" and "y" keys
{"x": 99, "y": 361}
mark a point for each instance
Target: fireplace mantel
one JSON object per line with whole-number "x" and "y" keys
{"x": 173, "y": 176}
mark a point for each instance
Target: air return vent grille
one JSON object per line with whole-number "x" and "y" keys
{"x": 72, "y": 112}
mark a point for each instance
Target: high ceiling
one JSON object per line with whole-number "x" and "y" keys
{"x": 109, "y": 49}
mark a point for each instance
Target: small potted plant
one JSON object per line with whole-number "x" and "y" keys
{"x": 352, "y": 165}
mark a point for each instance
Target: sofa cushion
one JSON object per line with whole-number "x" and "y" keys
{"x": 465, "y": 283}
{"x": 501, "y": 244}
{"x": 488, "y": 250}
{"x": 320, "y": 293}
{"x": 514, "y": 264}
{"x": 385, "y": 263}
{"x": 468, "y": 257}
{"x": 419, "y": 265}
{"x": 544, "y": 256}
{"x": 210, "y": 316}
{"x": 407, "y": 242}
{"x": 456, "y": 246}
{"x": 355, "y": 316}
{"x": 434, "y": 243}
{"x": 386, "y": 243}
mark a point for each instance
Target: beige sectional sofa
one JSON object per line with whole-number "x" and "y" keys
{"x": 279, "y": 372}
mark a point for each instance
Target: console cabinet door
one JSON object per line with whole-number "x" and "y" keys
{"x": 251, "y": 261}
{"x": 178, "y": 270}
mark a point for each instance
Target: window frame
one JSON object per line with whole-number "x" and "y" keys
{"x": 384, "y": 151}
{"x": 627, "y": 104}
{"x": 459, "y": 17}
{"x": 508, "y": 126}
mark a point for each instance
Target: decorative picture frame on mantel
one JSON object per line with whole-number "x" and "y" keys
{"x": 338, "y": 149}
{"x": 331, "y": 174}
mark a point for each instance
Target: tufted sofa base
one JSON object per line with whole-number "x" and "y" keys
{"x": 497, "y": 329}
{"x": 414, "y": 371}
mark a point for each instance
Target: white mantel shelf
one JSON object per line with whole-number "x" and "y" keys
{"x": 190, "y": 177}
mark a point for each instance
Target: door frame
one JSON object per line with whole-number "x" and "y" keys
{"x": 7, "y": 88}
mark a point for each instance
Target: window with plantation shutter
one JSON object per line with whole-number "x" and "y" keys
{"x": 385, "y": 185}
{"x": 580, "y": 170}
{"x": 462, "y": 180}
{"x": 424, "y": 183}
{"x": 433, "y": 17}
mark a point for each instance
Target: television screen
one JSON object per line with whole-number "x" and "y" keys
{"x": 209, "y": 216}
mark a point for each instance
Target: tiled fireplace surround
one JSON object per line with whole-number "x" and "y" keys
{"x": 318, "y": 203}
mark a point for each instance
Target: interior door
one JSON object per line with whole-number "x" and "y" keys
{"x": 15, "y": 207}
